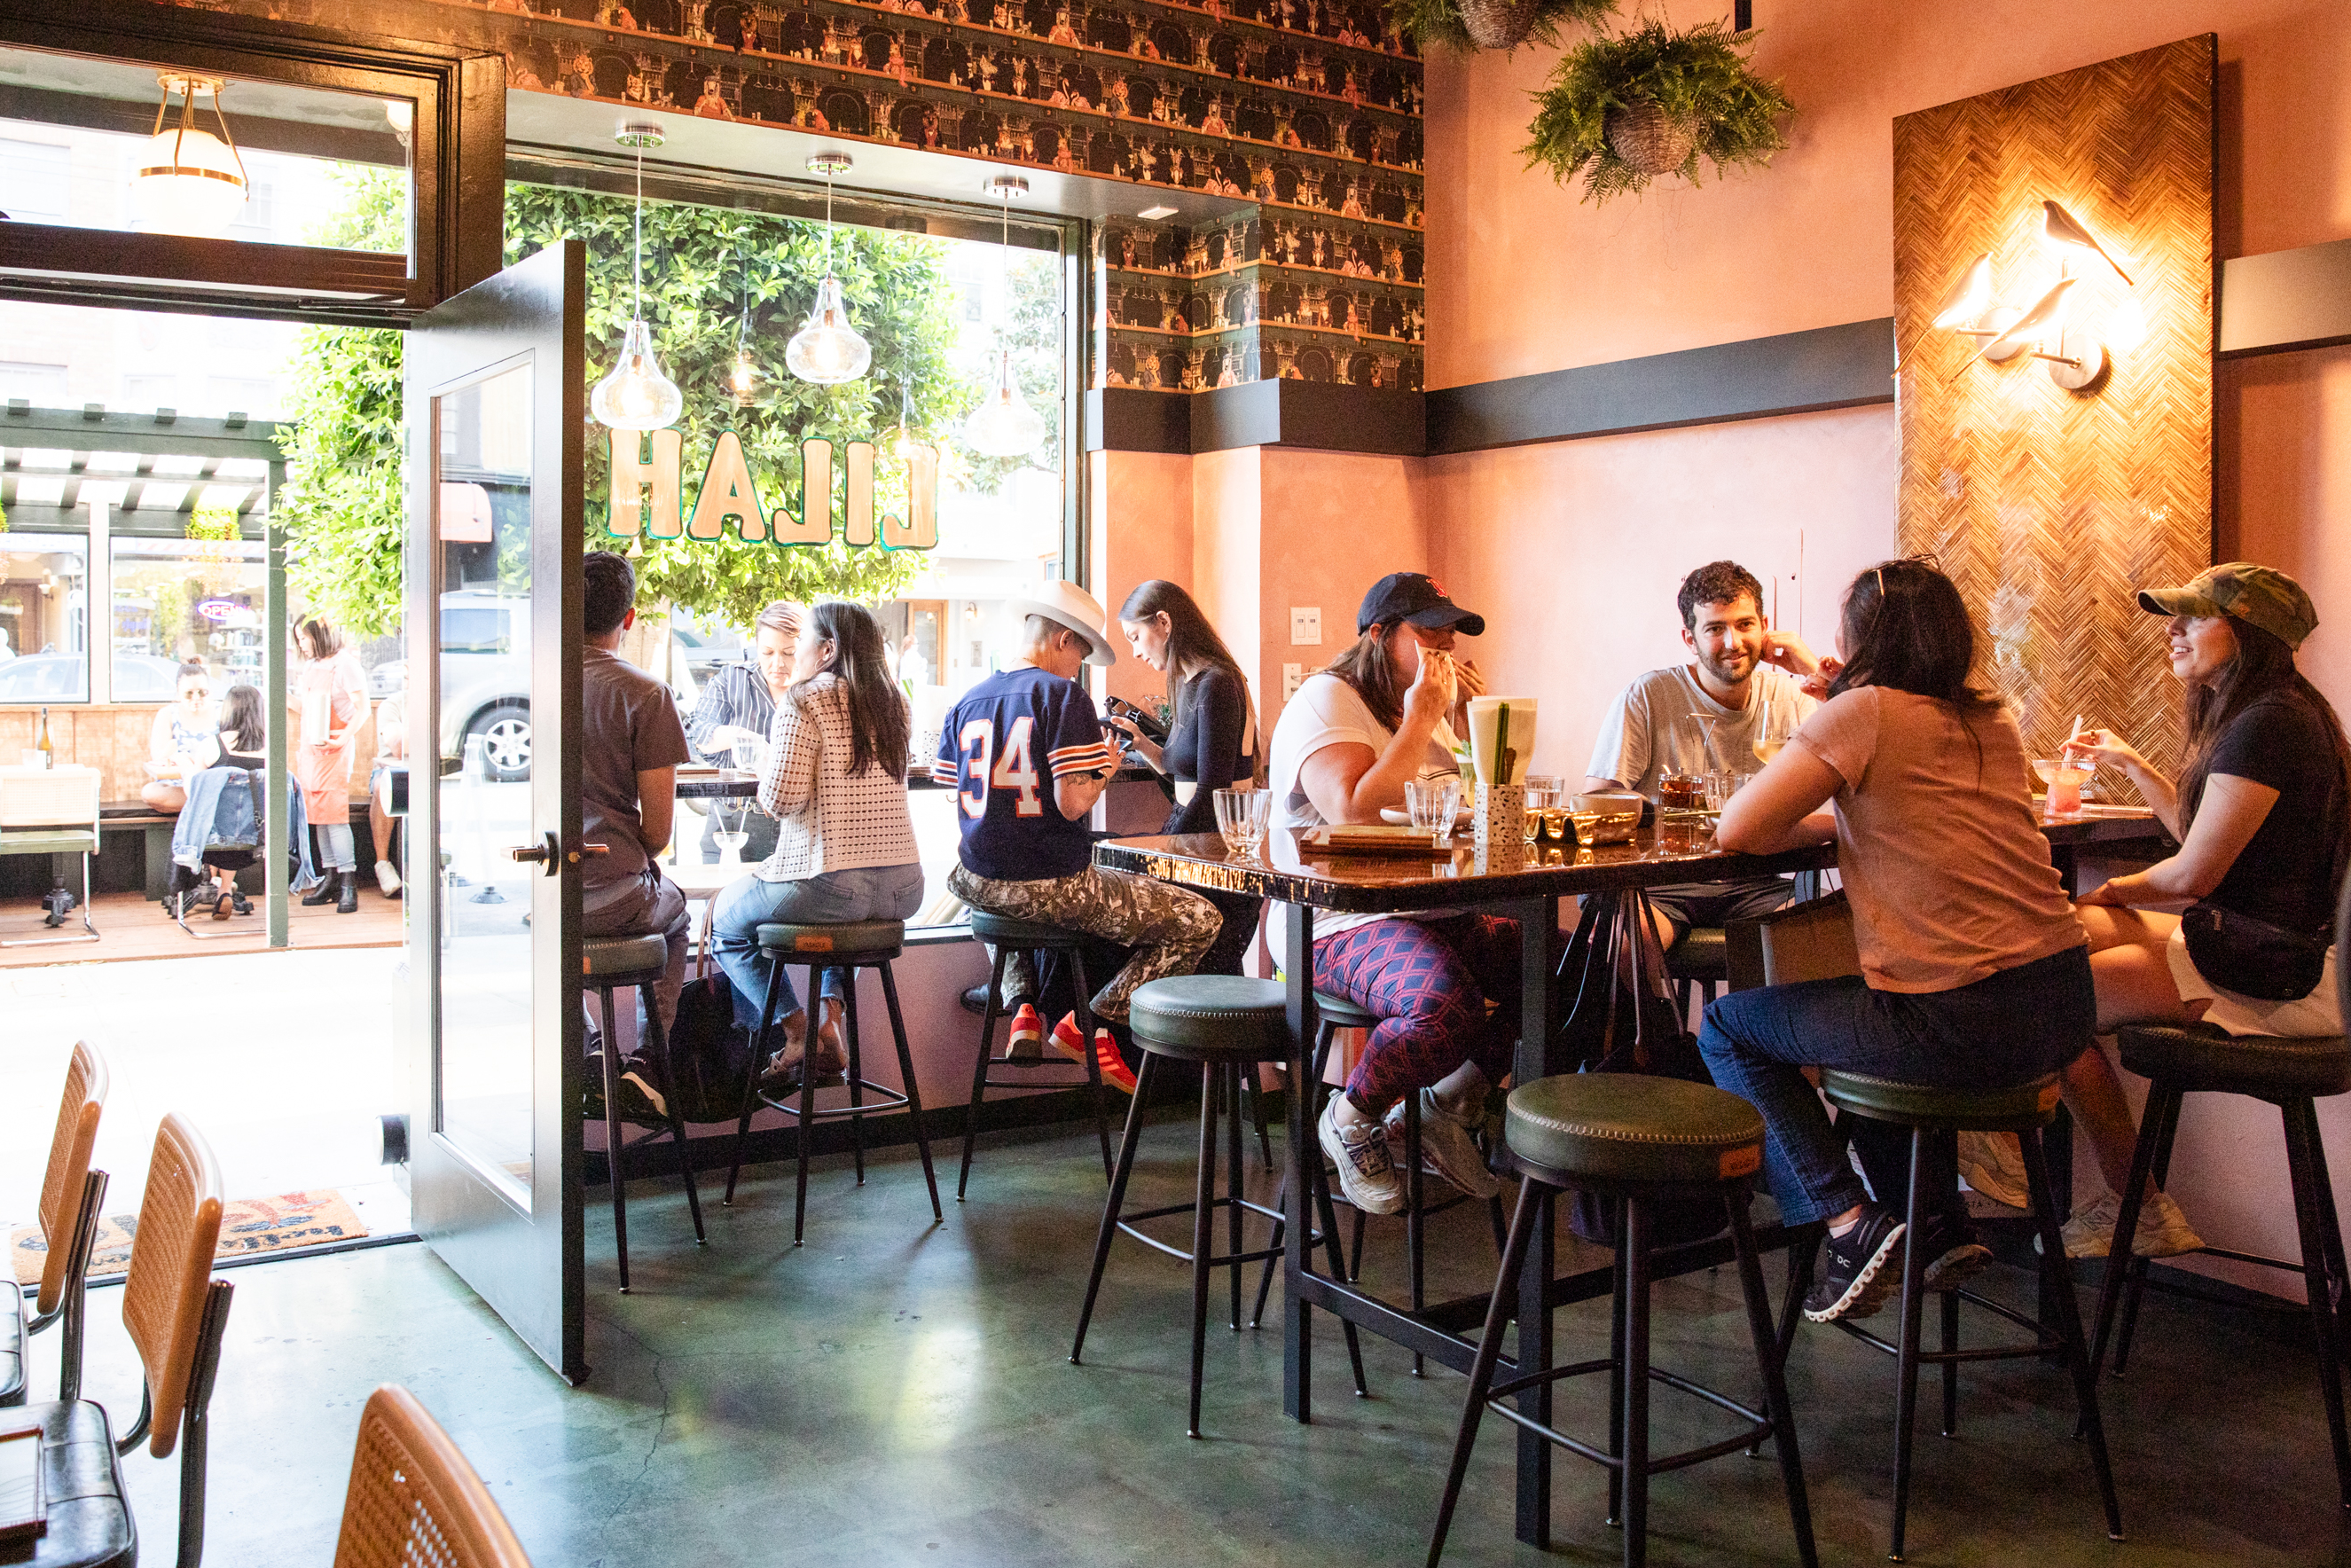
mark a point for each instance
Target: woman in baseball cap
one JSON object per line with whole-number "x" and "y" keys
{"x": 2262, "y": 813}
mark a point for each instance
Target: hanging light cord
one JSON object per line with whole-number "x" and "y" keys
{"x": 637, "y": 261}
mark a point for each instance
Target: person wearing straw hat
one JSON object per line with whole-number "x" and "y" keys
{"x": 2262, "y": 813}
{"x": 1026, "y": 754}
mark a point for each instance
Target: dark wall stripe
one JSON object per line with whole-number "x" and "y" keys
{"x": 2286, "y": 299}
{"x": 1796, "y": 372}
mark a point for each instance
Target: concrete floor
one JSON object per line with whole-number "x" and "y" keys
{"x": 895, "y": 1393}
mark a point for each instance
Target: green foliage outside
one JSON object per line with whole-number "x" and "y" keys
{"x": 1431, "y": 22}
{"x": 344, "y": 499}
{"x": 1700, "y": 77}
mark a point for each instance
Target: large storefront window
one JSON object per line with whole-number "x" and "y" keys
{"x": 182, "y": 599}
{"x": 44, "y": 617}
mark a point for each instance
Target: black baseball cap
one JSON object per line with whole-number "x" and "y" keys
{"x": 1417, "y": 597}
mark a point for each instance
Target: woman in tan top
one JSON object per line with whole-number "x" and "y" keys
{"x": 835, "y": 782}
{"x": 1975, "y": 972}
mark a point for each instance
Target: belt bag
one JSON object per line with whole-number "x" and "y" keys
{"x": 2252, "y": 957}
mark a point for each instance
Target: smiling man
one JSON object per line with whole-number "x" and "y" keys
{"x": 1736, "y": 676}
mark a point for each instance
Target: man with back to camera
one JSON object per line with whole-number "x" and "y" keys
{"x": 1739, "y": 673}
{"x": 1027, "y": 757}
{"x": 632, "y": 743}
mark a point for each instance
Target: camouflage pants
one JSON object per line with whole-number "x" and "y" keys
{"x": 1169, "y": 929}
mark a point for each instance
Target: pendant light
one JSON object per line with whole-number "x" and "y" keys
{"x": 189, "y": 181}
{"x": 1004, "y": 425}
{"x": 827, "y": 350}
{"x": 637, "y": 395}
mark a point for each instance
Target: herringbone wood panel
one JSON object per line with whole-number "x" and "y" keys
{"x": 2051, "y": 506}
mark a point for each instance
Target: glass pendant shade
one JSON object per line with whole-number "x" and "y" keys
{"x": 1004, "y": 425}
{"x": 636, "y": 395}
{"x": 188, "y": 182}
{"x": 827, "y": 350}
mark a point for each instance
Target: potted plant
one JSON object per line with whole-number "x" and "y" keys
{"x": 1627, "y": 109}
{"x": 1492, "y": 24}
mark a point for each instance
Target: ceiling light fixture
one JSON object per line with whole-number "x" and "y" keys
{"x": 827, "y": 350}
{"x": 1162, "y": 211}
{"x": 637, "y": 395}
{"x": 1004, "y": 425}
{"x": 189, "y": 181}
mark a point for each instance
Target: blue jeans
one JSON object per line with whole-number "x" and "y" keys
{"x": 2009, "y": 1028}
{"x": 830, "y": 898}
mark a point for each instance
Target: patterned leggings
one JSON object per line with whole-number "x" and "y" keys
{"x": 1170, "y": 928}
{"x": 1428, "y": 980}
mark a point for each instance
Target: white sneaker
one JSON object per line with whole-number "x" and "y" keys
{"x": 1367, "y": 1173}
{"x": 387, "y": 877}
{"x": 1993, "y": 1164}
{"x": 2163, "y": 1230}
{"x": 1447, "y": 1146}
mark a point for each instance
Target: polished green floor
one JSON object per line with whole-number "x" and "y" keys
{"x": 899, "y": 1393}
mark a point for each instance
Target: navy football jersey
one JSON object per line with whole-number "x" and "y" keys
{"x": 1002, "y": 747}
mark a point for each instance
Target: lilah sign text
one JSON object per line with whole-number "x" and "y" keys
{"x": 646, "y": 497}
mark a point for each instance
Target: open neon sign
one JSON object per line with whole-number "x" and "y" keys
{"x": 646, "y": 498}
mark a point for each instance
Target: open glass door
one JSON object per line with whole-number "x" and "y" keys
{"x": 495, "y": 414}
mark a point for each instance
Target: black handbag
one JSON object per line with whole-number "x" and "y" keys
{"x": 2252, "y": 957}
{"x": 1622, "y": 1019}
{"x": 709, "y": 1052}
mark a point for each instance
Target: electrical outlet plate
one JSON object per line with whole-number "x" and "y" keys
{"x": 1306, "y": 626}
{"x": 1292, "y": 677}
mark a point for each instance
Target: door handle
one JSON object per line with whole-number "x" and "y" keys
{"x": 548, "y": 852}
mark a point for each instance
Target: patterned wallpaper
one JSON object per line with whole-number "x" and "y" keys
{"x": 1311, "y": 107}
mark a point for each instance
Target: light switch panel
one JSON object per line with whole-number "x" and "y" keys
{"x": 1306, "y": 626}
{"x": 1292, "y": 677}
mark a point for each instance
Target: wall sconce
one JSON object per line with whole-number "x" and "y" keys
{"x": 2063, "y": 228}
{"x": 1970, "y": 311}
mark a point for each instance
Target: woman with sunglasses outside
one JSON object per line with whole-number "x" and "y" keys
{"x": 181, "y": 740}
{"x": 1976, "y": 973}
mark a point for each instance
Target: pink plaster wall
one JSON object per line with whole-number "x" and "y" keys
{"x": 1336, "y": 523}
{"x": 1228, "y": 569}
{"x": 1141, "y": 523}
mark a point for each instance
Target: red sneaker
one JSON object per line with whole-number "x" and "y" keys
{"x": 1114, "y": 1069}
{"x": 1069, "y": 1040}
{"x": 1028, "y": 1035}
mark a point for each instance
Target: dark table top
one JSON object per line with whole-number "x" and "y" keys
{"x": 1384, "y": 884}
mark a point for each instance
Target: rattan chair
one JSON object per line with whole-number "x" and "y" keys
{"x": 413, "y": 1501}
{"x": 175, "y": 1313}
{"x": 68, "y": 1220}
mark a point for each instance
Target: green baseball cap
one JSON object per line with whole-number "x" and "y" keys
{"x": 2257, "y": 595}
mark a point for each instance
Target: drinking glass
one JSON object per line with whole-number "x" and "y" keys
{"x": 2063, "y": 778}
{"x": 1241, "y": 818}
{"x": 1432, "y": 803}
{"x": 1543, "y": 790}
{"x": 1772, "y": 734}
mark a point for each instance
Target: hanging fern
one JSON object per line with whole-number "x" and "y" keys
{"x": 1432, "y": 21}
{"x": 1699, "y": 79}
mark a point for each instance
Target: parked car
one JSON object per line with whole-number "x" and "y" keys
{"x": 64, "y": 677}
{"x": 708, "y": 648}
{"x": 484, "y": 681}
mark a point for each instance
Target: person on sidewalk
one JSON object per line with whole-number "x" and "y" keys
{"x": 1027, "y": 756}
{"x": 327, "y": 704}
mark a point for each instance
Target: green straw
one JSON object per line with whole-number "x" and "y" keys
{"x": 1501, "y": 744}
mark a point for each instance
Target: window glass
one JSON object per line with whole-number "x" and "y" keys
{"x": 44, "y": 617}
{"x": 181, "y": 599}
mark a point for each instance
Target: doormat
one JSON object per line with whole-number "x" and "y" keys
{"x": 248, "y": 1225}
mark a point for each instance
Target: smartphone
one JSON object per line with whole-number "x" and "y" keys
{"x": 1152, "y": 730}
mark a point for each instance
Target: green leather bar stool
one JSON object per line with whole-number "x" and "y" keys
{"x": 1227, "y": 1024}
{"x": 1008, "y": 937}
{"x": 2292, "y": 1074}
{"x": 615, "y": 964}
{"x": 1940, "y": 1113}
{"x": 1700, "y": 959}
{"x": 1632, "y": 1141}
{"x": 849, "y": 948}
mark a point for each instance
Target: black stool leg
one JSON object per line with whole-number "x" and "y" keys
{"x": 2069, "y": 1324}
{"x": 1113, "y": 1206}
{"x": 2162, "y": 1105}
{"x": 612, "y": 1134}
{"x": 913, "y": 1092}
{"x": 1951, "y": 1305}
{"x": 988, "y": 1017}
{"x": 1906, "y": 1386}
{"x": 1204, "y": 1219}
{"x": 2311, "y": 1203}
{"x": 1234, "y": 1171}
{"x": 807, "y": 1117}
{"x": 856, "y": 1057}
{"x": 1085, "y": 1009}
{"x": 1330, "y": 1221}
{"x": 660, "y": 1054}
{"x": 1775, "y": 1379}
{"x": 2135, "y": 1282}
{"x": 1281, "y": 1193}
{"x": 759, "y": 1038}
{"x": 1415, "y": 1199}
{"x": 1619, "y": 1291}
{"x": 1636, "y": 1308}
{"x": 1489, "y": 1349}
{"x": 1256, "y": 1082}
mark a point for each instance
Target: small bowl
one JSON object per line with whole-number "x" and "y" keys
{"x": 1607, "y": 803}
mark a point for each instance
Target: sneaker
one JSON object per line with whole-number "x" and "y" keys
{"x": 975, "y": 1000}
{"x": 1447, "y": 1146}
{"x": 1993, "y": 1164}
{"x": 2163, "y": 1230}
{"x": 387, "y": 877}
{"x": 1026, "y": 1043}
{"x": 639, "y": 1101}
{"x": 1367, "y": 1173}
{"x": 1955, "y": 1254}
{"x": 1863, "y": 1267}
{"x": 1114, "y": 1069}
{"x": 1067, "y": 1038}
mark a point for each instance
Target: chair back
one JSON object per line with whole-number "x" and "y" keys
{"x": 86, "y": 1081}
{"x": 1808, "y": 941}
{"x": 413, "y": 1501}
{"x": 171, "y": 1271}
{"x": 66, "y": 796}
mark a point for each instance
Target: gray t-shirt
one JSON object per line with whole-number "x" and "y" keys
{"x": 1643, "y": 734}
{"x": 628, "y": 726}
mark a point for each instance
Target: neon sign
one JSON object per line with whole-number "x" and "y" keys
{"x": 646, "y": 495}
{"x": 217, "y": 609}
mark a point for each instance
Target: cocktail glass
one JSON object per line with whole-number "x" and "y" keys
{"x": 2063, "y": 777}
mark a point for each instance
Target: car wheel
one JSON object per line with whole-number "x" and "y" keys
{"x": 506, "y": 741}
